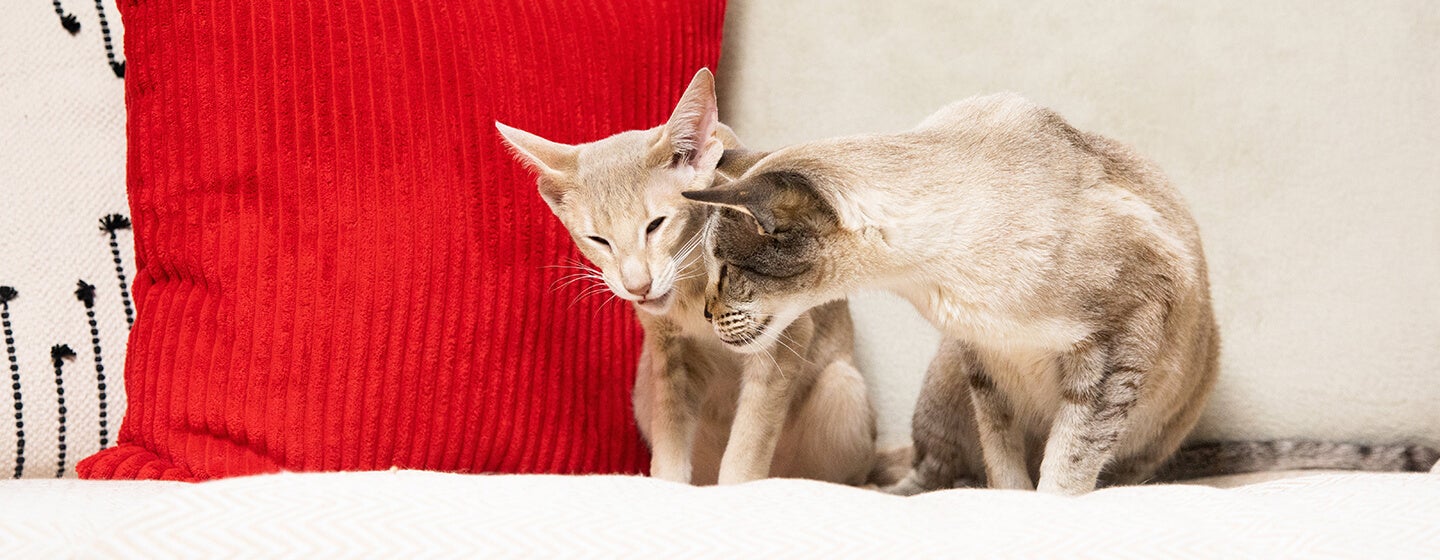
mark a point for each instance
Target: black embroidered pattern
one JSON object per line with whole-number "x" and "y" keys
{"x": 58, "y": 354}
{"x": 8, "y": 294}
{"x": 109, "y": 224}
{"x": 86, "y": 294}
{"x": 118, "y": 67}
{"x": 72, "y": 26}
{"x": 67, "y": 21}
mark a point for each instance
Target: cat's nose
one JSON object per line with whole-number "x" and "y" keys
{"x": 637, "y": 288}
{"x": 635, "y": 277}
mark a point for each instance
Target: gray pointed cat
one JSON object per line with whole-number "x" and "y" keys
{"x": 1063, "y": 270}
{"x": 946, "y": 453}
{"x": 798, "y": 407}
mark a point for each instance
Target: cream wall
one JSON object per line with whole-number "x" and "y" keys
{"x": 1305, "y": 134}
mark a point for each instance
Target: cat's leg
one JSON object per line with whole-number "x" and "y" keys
{"x": 1142, "y": 466}
{"x": 766, "y": 389}
{"x": 947, "y": 443}
{"x": 832, "y": 434}
{"x": 1139, "y": 468}
{"x": 1101, "y": 380}
{"x": 1149, "y": 462}
{"x": 666, "y": 407}
{"x": 1002, "y": 437}
{"x": 768, "y": 386}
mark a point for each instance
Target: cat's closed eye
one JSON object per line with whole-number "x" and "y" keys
{"x": 755, "y": 273}
{"x": 654, "y": 224}
{"x": 772, "y": 270}
{"x": 599, "y": 241}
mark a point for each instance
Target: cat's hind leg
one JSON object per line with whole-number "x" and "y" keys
{"x": 1142, "y": 466}
{"x": 947, "y": 443}
{"x": 1101, "y": 381}
{"x": 831, "y": 436}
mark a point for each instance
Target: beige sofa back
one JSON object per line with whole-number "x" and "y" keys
{"x": 1306, "y": 136}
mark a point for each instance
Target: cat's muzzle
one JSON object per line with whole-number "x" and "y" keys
{"x": 738, "y": 328}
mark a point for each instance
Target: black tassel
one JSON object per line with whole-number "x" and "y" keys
{"x": 117, "y": 66}
{"x": 61, "y": 352}
{"x": 110, "y": 224}
{"x": 67, "y": 21}
{"x": 86, "y": 294}
{"x": 113, "y": 222}
{"x": 7, "y": 294}
{"x": 58, "y": 354}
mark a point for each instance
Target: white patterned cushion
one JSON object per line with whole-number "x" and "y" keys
{"x": 62, "y": 169}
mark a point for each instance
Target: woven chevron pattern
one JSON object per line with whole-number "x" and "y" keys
{"x": 409, "y": 514}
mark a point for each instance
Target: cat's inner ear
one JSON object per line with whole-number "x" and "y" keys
{"x": 552, "y": 161}
{"x": 689, "y": 137}
{"x": 780, "y": 202}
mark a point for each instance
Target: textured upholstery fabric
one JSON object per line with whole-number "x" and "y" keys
{"x": 62, "y": 170}
{"x": 410, "y": 514}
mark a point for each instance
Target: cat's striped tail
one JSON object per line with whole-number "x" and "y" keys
{"x": 1238, "y": 457}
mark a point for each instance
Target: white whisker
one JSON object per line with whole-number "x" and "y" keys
{"x": 596, "y": 313}
{"x": 679, "y": 259}
{"x": 583, "y": 287}
{"x": 689, "y": 276}
{"x": 577, "y": 277}
{"x": 780, "y": 338}
{"x": 572, "y": 267}
{"x": 766, "y": 352}
{"x": 597, "y": 289}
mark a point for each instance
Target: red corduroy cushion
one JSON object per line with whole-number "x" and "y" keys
{"x": 340, "y": 267}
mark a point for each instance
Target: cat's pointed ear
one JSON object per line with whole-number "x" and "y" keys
{"x": 552, "y": 161}
{"x": 735, "y": 162}
{"x": 779, "y": 201}
{"x": 691, "y": 133}
{"x": 543, "y": 156}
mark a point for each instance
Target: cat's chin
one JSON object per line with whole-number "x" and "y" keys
{"x": 656, "y": 306}
{"x": 750, "y": 346}
{"x": 758, "y": 344}
{"x": 750, "y": 343}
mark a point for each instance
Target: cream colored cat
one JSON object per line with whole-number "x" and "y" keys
{"x": 1063, "y": 270}
{"x": 796, "y": 407}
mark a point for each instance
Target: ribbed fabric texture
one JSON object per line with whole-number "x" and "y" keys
{"x": 338, "y": 265}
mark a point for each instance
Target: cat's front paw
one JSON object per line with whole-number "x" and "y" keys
{"x": 1050, "y": 486}
{"x": 914, "y": 483}
{"x": 732, "y": 475}
{"x": 672, "y": 471}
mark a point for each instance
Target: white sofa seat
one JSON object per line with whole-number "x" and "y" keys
{"x": 411, "y": 514}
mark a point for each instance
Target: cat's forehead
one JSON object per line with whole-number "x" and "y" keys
{"x": 621, "y": 171}
{"x": 734, "y": 239}
{"x": 623, "y": 155}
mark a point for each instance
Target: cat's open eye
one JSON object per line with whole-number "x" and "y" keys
{"x": 654, "y": 224}
{"x": 600, "y": 240}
